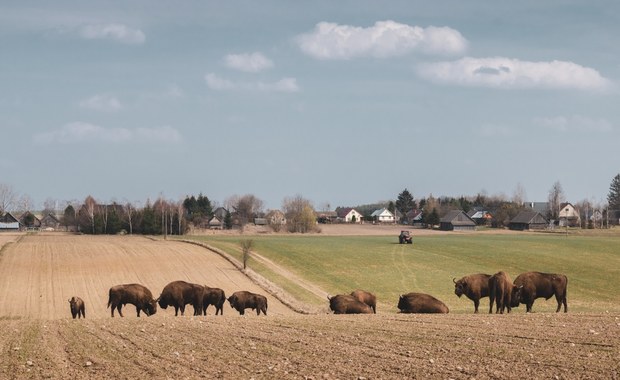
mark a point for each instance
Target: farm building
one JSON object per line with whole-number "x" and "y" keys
{"x": 215, "y": 223}
{"x": 383, "y": 215}
{"x": 480, "y": 216}
{"x": 8, "y": 222}
{"x": 50, "y": 222}
{"x": 275, "y": 217}
{"x": 456, "y": 220}
{"x": 29, "y": 221}
{"x": 349, "y": 215}
{"x": 414, "y": 217}
{"x": 326, "y": 216}
{"x": 528, "y": 220}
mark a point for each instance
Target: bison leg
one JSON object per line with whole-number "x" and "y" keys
{"x": 561, "y": 300}
{"x": 242, "y": 312}
{"x": 83, "y": 313}
{"x": 476, "y": 304}
{"x": 119, "y": 310}
{"x": 182, "y": 307}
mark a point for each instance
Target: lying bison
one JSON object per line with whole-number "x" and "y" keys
{"x": 135, "y": 294}
{"x": 180, "y": 293}
{"x": 420, "y": 303}
{"x": 536, "y": 285}
{"x": 347, "y": 304}
{"x": 245, "y": 300}
{"x": 474, "y": 286}
{"x": 76, "y": 304}
{"x": 367, "y": 298}
{"x": 503, "y": 292}
{"x": 215, "y": 297}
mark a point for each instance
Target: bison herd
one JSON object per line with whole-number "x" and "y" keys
{"x": 502, "y": 292}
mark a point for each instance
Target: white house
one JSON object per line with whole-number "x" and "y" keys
{"x": 349, "y": 215}
{"x": 569, "y": 215}
{"x": 383, "y": 216}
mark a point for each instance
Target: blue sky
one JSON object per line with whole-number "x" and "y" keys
{"x": 342, "y": 102}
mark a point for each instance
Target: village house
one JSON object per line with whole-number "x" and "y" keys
{"x": 569, "y": 216}
{"x": 349, "y": 215}
{"x": 383, "y": 215}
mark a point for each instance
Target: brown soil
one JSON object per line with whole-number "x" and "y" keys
{"x": 39, "y": 340}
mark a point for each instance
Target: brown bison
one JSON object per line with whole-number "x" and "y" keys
{"x": 474, "y": 286}
{"x": 347, "y": 304}
{"x": 420, "y": 303}
{"x": 215, "y": 297}
{"x": 242, "y": 300}
{"x": 180, "y": 293}
{"x": 503, "y": 292}
{"x": 367, "y": 298}
{"x": 536, "y": 285}
{"x": 135, "y": 294}
{"x": 76, "y": 304}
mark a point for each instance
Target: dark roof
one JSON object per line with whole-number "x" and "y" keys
{"x": 529, "y": 217}
{"x": 457, "y": 218}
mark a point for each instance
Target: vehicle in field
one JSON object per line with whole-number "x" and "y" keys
{"x": 405, "y": 237}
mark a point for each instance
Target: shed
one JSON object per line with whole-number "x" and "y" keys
{"x": 528, "y": 220}
{"x": 456, "y": 220}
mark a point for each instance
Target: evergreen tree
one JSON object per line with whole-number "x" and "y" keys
{"x": 613, "y": 198}
{"x": 405, "y": 202}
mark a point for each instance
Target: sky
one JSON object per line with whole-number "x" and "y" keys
{"x": 342, "y": 102}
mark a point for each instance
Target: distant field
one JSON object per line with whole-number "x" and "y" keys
{"x": 339, "y": 264}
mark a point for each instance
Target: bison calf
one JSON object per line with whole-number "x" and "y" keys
{"x": 245, "y": 300}
{"x": 421, "y": 303}
{"x": 76, "y": 304}
{"x": 347, "y": 304}
{"x": 135, "y": 294}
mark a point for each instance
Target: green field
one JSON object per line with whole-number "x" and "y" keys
{"x": 340, "y": 264}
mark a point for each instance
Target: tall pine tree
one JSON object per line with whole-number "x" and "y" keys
{"x": 613, "y": 198}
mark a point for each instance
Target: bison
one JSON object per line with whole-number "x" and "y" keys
{"x": 215, "y": 297}
{"x": 242, "y": 300}
{"x": 135, "y": 294}
{"x": 180, "y": 293}
{"x": 503, "y": 292}
{"x": 367, "y": 298}
{"x": 474, "y": 286}
{"x": 536, "y": 285}
{"x": 347, "y": 304}
{"x": 76, "y": 304}
{"x": 420, "y": 303}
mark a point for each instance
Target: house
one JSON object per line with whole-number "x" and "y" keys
{"x": 215, "y": 223}
{"x": 383, "y": 215}
{"x": 480, "y": 216}
{"x": 540, "y": 207}
{"x": 348, "y": 215}
{"x": 569, "y": 216}
{"x": 414, "y": 217}
{"x": 220, "y": 213}
{"x": 9, "y": 223}
{"x": 49, "y": 222}
{"x": 528, "y": 220}
{"x": 29, "y": 221}
{"x": 456, "y": 220}
{"x": 275, "y": 217}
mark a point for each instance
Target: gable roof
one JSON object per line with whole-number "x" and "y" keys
{"x": 457, "y": 218}
{"x": 529, "y": 217}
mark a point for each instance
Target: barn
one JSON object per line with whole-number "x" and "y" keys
{"x": 528, "y": 220}
{"x": 456, "y": 220}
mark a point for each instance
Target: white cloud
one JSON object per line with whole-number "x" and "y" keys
{"x": 509, "y": 73}
{"x": 79, "y": 132}
{"x": 116, "y": 32}
{"x": 252, "y": 63}
{"x": 575, "y": 123}
{"x": 384, "y": 39}
{"x": 102, "y": 102}
{"x": 214, "y": 82}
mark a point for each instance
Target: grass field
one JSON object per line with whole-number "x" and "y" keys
{"x": 339, "y": 264}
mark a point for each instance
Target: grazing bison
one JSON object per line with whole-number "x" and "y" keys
{"x": 215, "y": 297}
{"x": 135, "y": 294}
{"x": 367, "y": 298}
{"x": 76, "y": 304}
{"x": 420, "y": 303}
{"x": 245, "y": 300}
{"x": 503, "y": 292}
{"x": 536, "y": 285}
{"x": 348, "y": 304}
{"x": 474, "y": 286}
{"x": 180, "y": 293}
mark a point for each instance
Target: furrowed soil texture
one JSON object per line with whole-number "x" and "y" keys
{"x": 40, "y": 341}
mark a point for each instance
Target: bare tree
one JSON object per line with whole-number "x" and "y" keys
{"x": 299, "y": 213}
{"x": 129, "y": 210}
{"x": 519, "y": 196}
{"x": 24, "y": 203}
{"x": 246, "y": 249}
{"x": 556, "y": 197}
{"x": 7, "y": 198}
{"x": 180, "y": 210}
{"x": 90, "y": 206}
{"x": 246, "y": 207}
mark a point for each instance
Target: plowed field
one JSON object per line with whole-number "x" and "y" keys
{"x": 40, "y": 341}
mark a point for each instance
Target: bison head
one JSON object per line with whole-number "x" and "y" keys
{"x": 460, "y": 287}
{"x": 150, "y": 308}
{"x": 516, "y": 295}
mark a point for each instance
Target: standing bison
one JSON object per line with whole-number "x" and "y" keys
{"x": 215, "y": 297}
{"x": 245, "y": 300}
{"x": 367, "y": 298}
{"x": 347, "y": 304}
{"x": 135, "y": 294}
{"x": 474, "y": 286}
{"x": 76, "y": 304}
{"x": 536, "y": 285}
{"x": 503, "y": 292}
{"x": 180, "y": 293}
{"x": 420, "y": 303}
